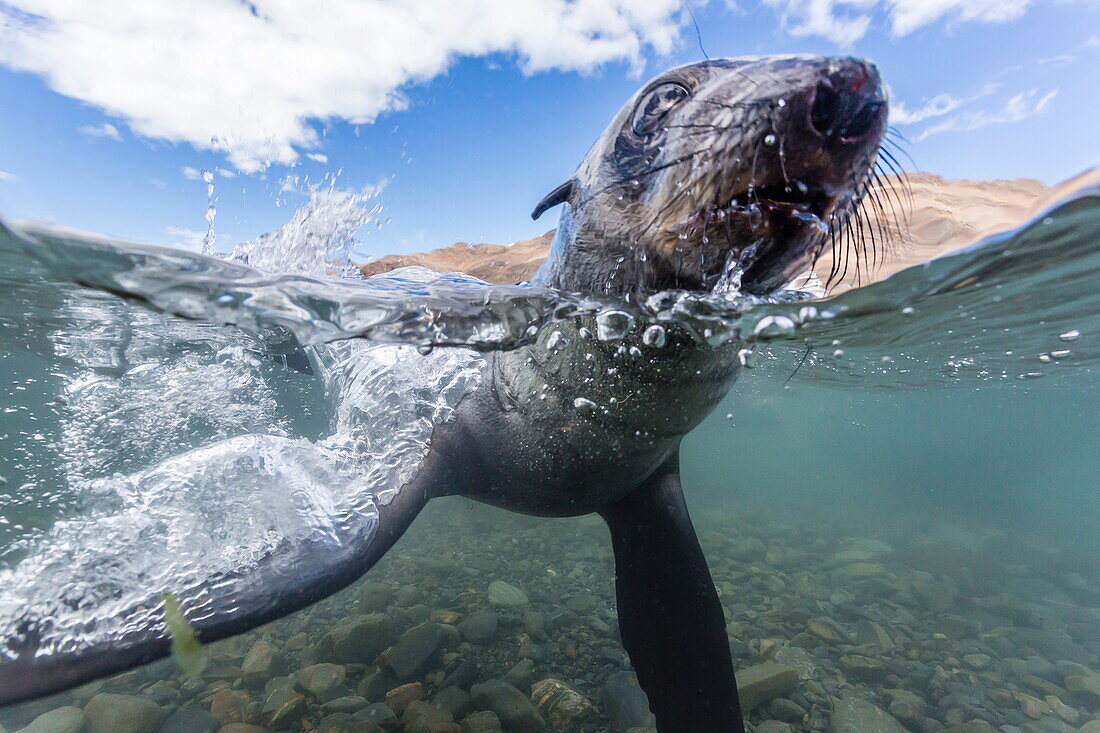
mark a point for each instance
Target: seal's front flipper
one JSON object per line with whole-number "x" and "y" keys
{"x": 669, "y": 614}
{"x": 222, "y": 539}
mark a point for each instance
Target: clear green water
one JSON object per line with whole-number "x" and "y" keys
{"x": 918, "y": 534}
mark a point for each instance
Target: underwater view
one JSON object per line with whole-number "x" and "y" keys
{"x": 788, "y": 423}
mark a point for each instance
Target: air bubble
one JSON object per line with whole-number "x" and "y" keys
{"x": 769, "y": 139}
{"x": 613, "y": 325}
{"x": 1070, "y": 335}
{"x": 557, "y": 341}
{"x": 773, "y": 327}
{"x": 654, "y": 336}
{"x": 744, "y": 357}
{"x": 583, "y": 404}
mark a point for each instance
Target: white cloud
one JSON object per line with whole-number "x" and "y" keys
{"x": 846, "y": 21}
{"x": 105, "y": 130}
{"x": 251, "y": 78}
{"x": 191, "y": 173}
{"x": 1020, "y": 107}
{"x": 8, "y": 177}
{"x": 825, "y": 18}
{"x": 224, "y": 173}
{"x": 318, "y": 157}
{"x": 186, "y": 238}
{"x": 937, "y": 106}
{"x": 157, "y": 183}
{"x": 908, "y": 15}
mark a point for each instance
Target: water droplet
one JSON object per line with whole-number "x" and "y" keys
{"x": 769, "y": 139}
{"x": 773, "y": 327}
{"x": 1070, "y": 335}
{"x": 424, "y": 348}
{"x": 583, "y": 404}
{"x": 557, "y": 341}
{"x": 613, "y": 325}
{"x": 781, "y": 102}
{"x": 654, "y": 336}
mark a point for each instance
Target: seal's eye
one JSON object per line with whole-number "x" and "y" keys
{"x": 654, "y": 106}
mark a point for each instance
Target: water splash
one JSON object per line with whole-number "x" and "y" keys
{"x": 211, "y": 212}
{"x": 318, "y": 238}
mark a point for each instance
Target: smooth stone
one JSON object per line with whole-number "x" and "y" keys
{"x": 485, "y": 721}
{"x": 977, "y": 661}
{"x": 1093, "y": 726}
{"x": 862, "y": 669}
{"x": 59, "y": 720}
{"x": 1085, "y": 688}
{"x": 853, "y": 715}
{"x": 746, "y": 549}
{"x": 242, "y": 728}
{"x": 774, "y": 726}
{"x": 344, "y": 723}
{"x": 520, "y": 675}
{"x": 190, "y": 719}
{"x": 263, "y": 660}
{"x": 228, "y": 706}
{"x": 374, "y": 597}
{"x": 399, "y": 698}
{"x": 462, "y": 676}
{"x": 976, "y": 726}
{"x": 423, "y": 717}
{"x": 282, "y": 707}
{"x": 505, "y": 595}
{"x": 161, "y": 692}
{"x": 764, "y": 682}
{"x": 357, "y": 641}
{"x": 626, "y": 703}
{"x": 454, "y": 701}
{"x": 108, "y": 713}
{"x": 346, "y": 704}
{"x": 479, "y": 628}
{"x": 380, "y": 714}
{"x": 559, "y": 704}
{"x": 515, "y": 711}
{"x": 412, "y": 654}
{"x": 324, "y": 681}
{"x": 826, "y": 629}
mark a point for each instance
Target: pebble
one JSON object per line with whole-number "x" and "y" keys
{"x": 560, "y": 704}
{"x": 415, "y": 651}
{"x": 515, "y": 711}
{"x": 504, "y": 595}
{"x": 323, "y": 681}
{"x": 485, "y": 721}
{"x": 108, "y": 713}
{"x": 764, "y": 682}
{"x": 59, "y": 720}
{"x": 190, "y": 719}
{"x": 479, "y": 628}
{"x": 399, "y": 697}
{"x": 854, "y": 715}
{"x": 626, "y": 703}
{"x": 263, "y": 661}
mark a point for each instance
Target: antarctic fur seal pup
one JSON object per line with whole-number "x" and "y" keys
{"x": 727, "y": 174}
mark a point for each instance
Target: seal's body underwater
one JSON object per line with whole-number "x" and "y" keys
{"x": 722, "y": 174}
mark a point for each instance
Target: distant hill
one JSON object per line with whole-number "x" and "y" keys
{"x": 936, "y": 216}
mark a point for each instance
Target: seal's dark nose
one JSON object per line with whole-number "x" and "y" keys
{"x": 848, "y": 101}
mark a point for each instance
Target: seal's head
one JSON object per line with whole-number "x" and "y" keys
{"x": 721, "y": 173}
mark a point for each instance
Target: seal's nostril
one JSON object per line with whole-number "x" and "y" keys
{"x": 823, "y": 114}
{"x": 862, "y": 121}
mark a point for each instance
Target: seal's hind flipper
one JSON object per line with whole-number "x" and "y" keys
{"x": 669, "y": 614}
{"x": 83, "y": 632}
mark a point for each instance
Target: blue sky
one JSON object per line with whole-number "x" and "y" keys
{"x": 469, "y": 112}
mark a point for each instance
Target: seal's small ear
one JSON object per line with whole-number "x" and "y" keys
{"x": 558, "y": 196}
